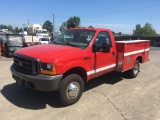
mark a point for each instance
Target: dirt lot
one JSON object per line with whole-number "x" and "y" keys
{"x": 109, "y": 97}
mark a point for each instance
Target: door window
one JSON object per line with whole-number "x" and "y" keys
{"x": 103, "y": 37}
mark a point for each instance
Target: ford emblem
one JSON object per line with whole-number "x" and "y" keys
{"x": 20, "y": 63}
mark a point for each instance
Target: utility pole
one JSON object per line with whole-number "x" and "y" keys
{"x": 23, "y": 26}
{"x": 28, "y": 21}
{"x": 53, "y": 22}
{"x": 22, "y": 32}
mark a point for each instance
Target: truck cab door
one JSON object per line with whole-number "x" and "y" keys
{"x": 104, "y": 54}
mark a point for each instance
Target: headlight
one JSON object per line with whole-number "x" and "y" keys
{"x": 28, "y": 44}
{"x": 47, "y": 68}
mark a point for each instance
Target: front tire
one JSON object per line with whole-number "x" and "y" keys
{"x": 71, "y": 89}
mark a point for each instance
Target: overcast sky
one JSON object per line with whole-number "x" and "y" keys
{"x": 117, "y": 15}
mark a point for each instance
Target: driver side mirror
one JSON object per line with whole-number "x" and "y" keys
{"x": 104, "y": 48}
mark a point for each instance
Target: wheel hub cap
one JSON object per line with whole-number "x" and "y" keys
{"x": 136, "y": 69}
{"x": 72, "y": 90}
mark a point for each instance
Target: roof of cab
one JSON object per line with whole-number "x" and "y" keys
{"x": 84, "y": 28}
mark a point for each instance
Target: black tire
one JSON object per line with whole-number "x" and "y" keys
{"x": 10, "y": 54}
{"x": 70, "y": 89}
{"x": 3, "y": 50}
{"x": 6, "y": 53}
{"x": 135, "y": 70}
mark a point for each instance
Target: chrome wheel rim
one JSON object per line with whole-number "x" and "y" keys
{"x": 136, "y": 69}
{"x": 73, "y": 90}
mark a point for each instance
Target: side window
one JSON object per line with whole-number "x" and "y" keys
{"x": 103, "y": 37}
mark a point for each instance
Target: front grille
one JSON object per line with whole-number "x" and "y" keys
{"x": 45, "y": 35}
{"x": 26, "y": 64}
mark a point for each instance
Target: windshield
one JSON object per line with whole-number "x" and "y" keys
{"x": 75, "y": 38}
{"x": 14, "y": 41}
{"x": 41, "y": 31}
{"x": 44, "y": 39}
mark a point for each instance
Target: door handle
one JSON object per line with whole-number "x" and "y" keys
{"x": 113, "y": 53}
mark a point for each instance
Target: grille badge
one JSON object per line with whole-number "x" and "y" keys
{"x": 20, "y": 63}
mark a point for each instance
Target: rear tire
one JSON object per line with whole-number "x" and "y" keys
{"x": 135, "y": 70}
{"x": 70, "y": 90}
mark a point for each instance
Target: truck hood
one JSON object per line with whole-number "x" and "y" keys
{"x": 50, "y": 52}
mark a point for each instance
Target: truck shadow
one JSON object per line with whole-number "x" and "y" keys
{"x": 109, "y": 78}
{"x": 30, "y": 99}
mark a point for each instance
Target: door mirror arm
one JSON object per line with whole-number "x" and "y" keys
{"x": 96, "y": 48}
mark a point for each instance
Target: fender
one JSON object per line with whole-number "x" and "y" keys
{"x": 64, "y": 68}
{"x": 136, "y": 56}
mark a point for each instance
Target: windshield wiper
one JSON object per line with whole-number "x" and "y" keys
{"x": 68, "y": 43}
{"x": 53, "y": 42}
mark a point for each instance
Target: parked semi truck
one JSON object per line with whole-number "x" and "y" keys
{"x": 36, "y": 30}
{"x": 75, "y": 57}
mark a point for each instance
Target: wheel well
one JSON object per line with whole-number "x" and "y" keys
{"x": 77, "y": 70}
{"x": 139, "y": 59}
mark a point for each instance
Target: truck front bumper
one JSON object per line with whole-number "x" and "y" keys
{"x": 38, "y": 82}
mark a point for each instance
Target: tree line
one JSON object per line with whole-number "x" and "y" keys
{"x": 12, "y": 29}
{"x": 146, "y": 30}
{"x": 72, "y": 22}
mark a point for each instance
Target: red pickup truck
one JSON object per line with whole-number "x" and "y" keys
{"x": 75, "y": 57}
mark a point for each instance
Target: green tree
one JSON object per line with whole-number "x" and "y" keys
{"x": 48, "y": 26}
{"x": 146, "y": 30}
{"x": 20, "y": 30}
{"x": 73, "y": 22}
{"x": 16, "y": 30}
{"x": 90, "y": 26}
{"x": 25, "y": 29}
{"x": 138, "y": 31}
{"x": 119, "y": 33}
{"x": 4, "y": 26}
{"x": 63, "y": 26}
{"x": 1, "y": 26}
{"x": 10, "y": 27}
{"x": 113, "y": 33}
